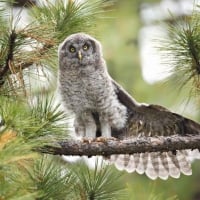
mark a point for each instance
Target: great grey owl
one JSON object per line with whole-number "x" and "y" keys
{"x": 104, "y": 108}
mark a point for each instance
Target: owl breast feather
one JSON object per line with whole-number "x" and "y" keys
{"x": 83, "y": 91}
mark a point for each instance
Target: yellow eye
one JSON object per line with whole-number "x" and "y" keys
{"x": 72, "y": 49}
{"x": 85, "y": 47}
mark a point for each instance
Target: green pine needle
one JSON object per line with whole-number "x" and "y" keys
{"x": 67, "y": 17}
{"x": 41, "y": 179}
{"x": 49, "y": 119}
{"x": 42, "y": 120}
{"x": 181, "y": 51}
{"x": 51, "y": 179}
{"x": 14, "y": 153}
{"x": 101, "y": 183}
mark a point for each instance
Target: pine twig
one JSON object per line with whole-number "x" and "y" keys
{"x": 9, "y": 58}
{"x": 110, "y": 146}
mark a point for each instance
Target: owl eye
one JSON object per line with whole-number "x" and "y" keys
{"x": 85, "y": 47}
{"x": 72, "y": 49}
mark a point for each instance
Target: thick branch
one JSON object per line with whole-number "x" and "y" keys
{"x": 111, "y": 146}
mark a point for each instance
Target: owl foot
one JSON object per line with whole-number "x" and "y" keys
{"x": 88, "y": 139}
{"x": 105, "y": 139}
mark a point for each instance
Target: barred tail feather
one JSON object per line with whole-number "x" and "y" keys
{"x": 173, "y": 165}
{"x": 143, "y": 159}
{"x": 186, "y": 165}
{"x": 163, "y": 172}
{"x": 152, "y": 167}
{"x": 155, "y": 164}
{"x": 131, "y": 167}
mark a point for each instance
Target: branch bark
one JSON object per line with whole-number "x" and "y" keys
{"x": 109, "y": 146}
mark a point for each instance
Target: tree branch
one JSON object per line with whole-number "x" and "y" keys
{"x": 9, "y": 58}
{"x": 111, "y": 146}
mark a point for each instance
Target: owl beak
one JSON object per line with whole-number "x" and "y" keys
{"x": 80, "y": 55}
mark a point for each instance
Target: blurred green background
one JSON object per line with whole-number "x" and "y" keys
{"x": 119, "y": 34}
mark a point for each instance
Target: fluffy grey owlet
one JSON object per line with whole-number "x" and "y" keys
{"x": 103, "y": 108}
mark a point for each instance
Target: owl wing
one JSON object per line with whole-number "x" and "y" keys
{"x": 153, "y": 120}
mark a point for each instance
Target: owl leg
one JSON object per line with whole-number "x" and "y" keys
{"x": 79, "y": 126}
{"x": 90, "y": 125}
{"x": 105, "y": 128}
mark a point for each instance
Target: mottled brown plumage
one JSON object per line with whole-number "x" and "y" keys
{"x": 151, "y": 120}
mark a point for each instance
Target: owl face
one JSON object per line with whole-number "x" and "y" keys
{"x": 79, "y": 50}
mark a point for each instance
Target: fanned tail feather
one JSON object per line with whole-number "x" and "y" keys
{"x": 155, "y": 164}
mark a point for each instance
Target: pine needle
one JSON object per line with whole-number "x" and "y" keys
{"x": 67, "y": 17}
{"x": 50, "y": 179}
{"x": 41, "y": 120}
{"x": 101, "y": 183}
{"x": 181, "y": 51}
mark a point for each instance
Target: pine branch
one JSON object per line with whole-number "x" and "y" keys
{"x": 181, "y": 49}
{"x": 107, "y": 147}
{"x": 9, "y": 58}
{"x": 40, "y": 51}
{"x": 21, "y": 3}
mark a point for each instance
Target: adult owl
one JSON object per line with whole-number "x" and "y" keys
{"x": 104, "y": 108}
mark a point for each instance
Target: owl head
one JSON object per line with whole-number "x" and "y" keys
{"x": 79, "y": 50}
